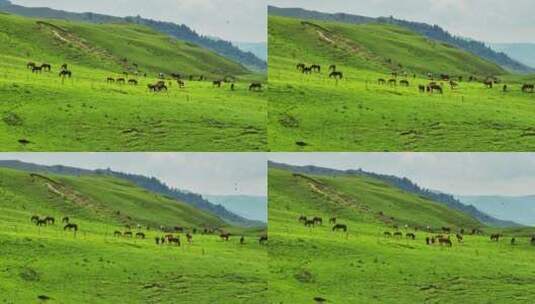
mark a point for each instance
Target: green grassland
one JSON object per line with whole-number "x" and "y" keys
{"x": 85, "y": 113}
{"x": 93, "y": 266}
{"x": 363, "y": 266}
{"x": 316, "y": 113}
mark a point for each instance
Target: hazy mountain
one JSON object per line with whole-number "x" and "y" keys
{"x": 522, "y": 52}
{"x": 434, "y": 32}
{"x": 260, "y": 49}
{"x": 404, "y": 184}
{"x": 518, "y": 209}
{"x": 149, "y": 183}
{"x": 181, "y": 32}
{"x": 250, "y": 207}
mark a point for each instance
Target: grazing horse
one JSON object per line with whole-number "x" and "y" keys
{"x": 428, "y": 241}
{"x": 332, "y": 220}
{"x": 217, "y": 83}
{"x": 318, "y": 220}
{"x": 528, "y": 88}
{"x": 117, "y": 233}
{"x": 120, "y": 80}
{"x": 411, "y": 236}
{"x": 300, "y": 66}
{"x": 387, "y": 234}
{"x": 445, "y": 241}
{"x": 65, "y": 73}
{"x": 128, "y": 234}
{"x": 255, "y": 86}
{"x": 459, "y": 237}
{"x": 46, "y": 67}
{"x": 182, "y": 84}
{"x": 434, "y": 87}
{"x": 65, "y": 219}
{"x": 445, "y": 77}
{"x": 315, "y": 68}
{"x": 513, "y": 240}
{"x": 132, "y": 82}
{"x": 110, "y": 80}
{"x": 404, "y": 83}
{"x": 64, "y": 66}
{"x": 224, "y": 236}
{"x": 495, "y": 237}
{"x": 381, "y": 81}
{"x": 421, "y": 88}
{"x": 307, "y": 70}
{"x": 140, "y": 235}
{"x": 37, "y": 69}
{"x": 189, "y": 237}
{"x": 30, "y": 65}
{"x": 242, "y": 240}
{"x": 453, "y": 84}
{"x": 505, "y": 88}
{"x": 262, "y": 239}
{"x": 41, "y": 222}
{"x": 50, "y": 220}
{"x": 340, "y": 227}
{"x": 488, "y": 83}
{"x": 174, "y": 240}
{"x": 398, "y": 234}
{"x": 34, "y": 219}
{"x": 446, "y": 230}
{"x": 302, "y": 218}
{"x": 392, "y": 82}
{"x": 309, "y": 223}
{"x": 71, "y": 227}
{"x": 332, "y": 67}
{"x": 336, "y": 75}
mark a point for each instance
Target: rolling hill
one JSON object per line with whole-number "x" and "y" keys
{"x": 315, "y": 112}
{"x": 51, "y": 264}
{"x": 433, "y": 32}
{"x": 362, "y": 265}
{"x": 181, "y": 32}
{"x": 248, "y": 206}
{"x": 85, "y": 112}
{"x": 148, "y": 183}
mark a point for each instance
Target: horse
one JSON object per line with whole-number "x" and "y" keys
{"x": 34, "y": 218}
{"x": 332, "y": 220}
{"x": 318, "y": 220}
{"x": 140, "y": 235}
{"x": 262, "y": 239}
{"x": 336, "y": 75}
{"x": 37, "y": 69}
{"x": 387, "y": 234}
{"x": 332, "y": 67}
{"x": 421, "y": 88}
{"x": 453, "y": 84}
{"x": 381, "y": 81}
{"x": 309, "y": 223}
{"x": 189, "y": 237}
{"x": 340, "y": 227}
{"x": 64, "y": 66}
{"x": 41, "y": 222}
{"x": 445, "y": 77}
{"x": 110, "y": 80}
{"x": 175, "y": 76}
{"x": 224, "y": 236}
{"x": 392, "y": 82}
{"x": 307, "y": 70}
{"x": 46, "y": 67}
{"x": 50, "y": 220}
{"x": 459, "y": 237}
{"x": 65, "y": 73}
{"x": 217, "y": 83}
{"x": 513, "y": 240}
{"x": 445, "y": 241}
{"x": 30, "y": 65}
{"x": 410, "y": 236}
{"x": 120, "y": 80}
{"x": 528, "y": 88}
{"x": 182, "y": 84}
{"x": 446, "y": 229}
{"x": 255, "y": 86}
{"x": 174, "y": 240}
{"x": 398, "y": 234}
{"x": 179, "y": 229}
{"x": 132, "y": 82}
{"x": 117, "y": 233}
{"x": 404, "y": 83}
{"x": 434, "y": 87}
{"x": 242, "y": 240}
{"x": 315, "y": 68}
{"x": 71, "y": 227}
{"x": 488, "y": 83}
{"x": 495, "y": 237}
{"x": 65, "y": 219}
{"x": 128, "y": 234}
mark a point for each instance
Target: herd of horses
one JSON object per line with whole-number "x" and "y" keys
{"x": 171, "y": 235}
{"x": 162, "y": 85}
{"x": 316, "y": 220}
{"x": 436, "y": 82}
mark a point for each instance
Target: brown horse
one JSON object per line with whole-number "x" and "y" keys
{"x": 421, "y": 88}
{"x": 110, "y": 80}
{"x": 381, "y": 81}
{"x": 459, "y": 237}
{"x": 332, "y": 220}
{"x": 262, "y": 239}
{"x": 392, "y": 82}
{"x": 46, "y": 67}
{"x": 50, "y": 220}
{"x": 120, "y": 80}
{"x": 488, "y": 83}
{"x": 255, "y": 86}
{"x": 404, "y": 83}
{"x": 127, "y": 234}
{"x": 445, "y": 241}
{"x": 398, "y": 234}
{"x": 318, "y": 220}
{"x": 117, "y": 233}
{"x": 340, "y": 227}
{"x": 65, "y": 73}
{"x": 336, "y": 75}
{"x": 140, "y": 235}
{"x": 309, "y": 223}
{"x": 528, "y": 88}
{"x": 434, "y": 87}
{"x": 224, "y": 236}
{"x": 65, "y": 219}
{"x": 132, "y": 82}
{"x": 495, "y": 237}
{"x": 315, "y": 68}
{"x": 72, "y": 227}
{"x": 174, "y": 240}
{"x": 37, "y": 69}
{"x": 217, "y": 83}
{"x": 410, "y": 236}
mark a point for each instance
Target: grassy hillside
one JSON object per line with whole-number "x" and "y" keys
{"x": 363, "y": 266}
{"x": 84, "y": 113}
{"x": 315, "y": 112}
{"x": 92, "y": 265}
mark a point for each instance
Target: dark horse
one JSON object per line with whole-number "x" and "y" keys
{"x": 65, "y": 219}
{"x": 255, "y": 86}
{"x": 217, "y": 83}
{"x": 434, "y": 87}
{"x": 65, "y": 73}
{"x": 224, "y": 236}
{"x": 262, "y": 239}
{"x": 117, "y": 233}
{"x": 336, "y": 75}
{"x": 332, "y": 220}
{"x": 46, "y": 67}
{"x": 340, "y": 227}
{"x": 34, "y": 219}
{"x": 132, "y": 82}
{"x": 140, "y": 235}
{"x": 50, "y": 220}
{"x": 315, "y": 68}
{"x": 318, "y": 220}
{"x": 528, "y": 88}
{"x": 495, "y": 237}
{"x": 445, "y": 241}
{"x": 71, "y": 227}
{"x": 411, "y": 236}
{"x": 404, "y": 83}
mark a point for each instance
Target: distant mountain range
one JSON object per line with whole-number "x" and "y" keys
{"x": 404, "y": 184}
{"x": 434, "y": 32}
{"x": 148, "y": 183}
{"x": 181, "y": 32}
{"x": 519, "y": 209}
{"x": 250, "y": 207}
{"x": 260, "y": 49}
{"x": 522, "y": 52}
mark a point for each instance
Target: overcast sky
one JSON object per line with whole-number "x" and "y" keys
{"x": 234, "y": 20}
{"x": 204, "y": 173}
{"x": 486, "y": 20}
{"x": 455, "y": 173}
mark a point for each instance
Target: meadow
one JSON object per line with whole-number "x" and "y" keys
{"x": 41, "y": 264}
{"x": 317, "y": 113}
{"x": 363, "y": 266}
{"x": 45, "y": 112}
